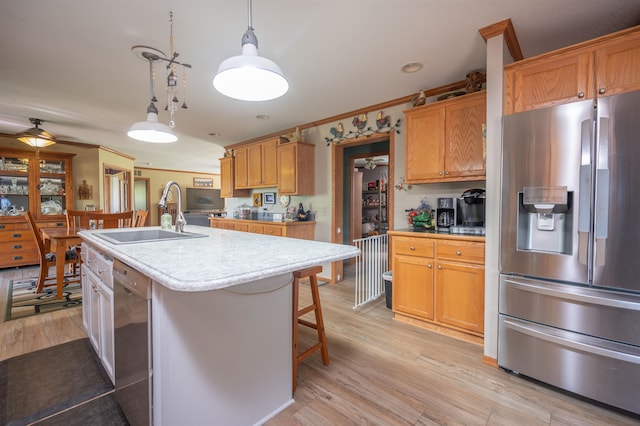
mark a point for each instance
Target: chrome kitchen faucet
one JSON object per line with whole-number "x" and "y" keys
{"x": 180, "y": 220}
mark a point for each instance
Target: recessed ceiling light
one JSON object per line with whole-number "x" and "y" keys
{"x": 412, "y": 67}
{"x": 262, "y": 117}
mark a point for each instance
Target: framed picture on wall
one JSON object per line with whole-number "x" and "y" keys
{"x": 200, "y": 182}
{"x": 257, "y": 199}
{"x": 269, "y": 198}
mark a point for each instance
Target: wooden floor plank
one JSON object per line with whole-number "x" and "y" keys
{"x": 382, "y": 371}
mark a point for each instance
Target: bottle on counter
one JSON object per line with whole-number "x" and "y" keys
{"x": 166, "y": 221}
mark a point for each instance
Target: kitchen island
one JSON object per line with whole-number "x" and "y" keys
{"x": 221, "y": 320}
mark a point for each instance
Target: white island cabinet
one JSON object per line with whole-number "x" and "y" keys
{"x": 221, "y": 320}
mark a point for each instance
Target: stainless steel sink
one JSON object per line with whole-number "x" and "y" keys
{"x": 145, "y": 236}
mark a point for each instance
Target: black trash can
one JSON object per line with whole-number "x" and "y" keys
{"x": 387, "y": 277}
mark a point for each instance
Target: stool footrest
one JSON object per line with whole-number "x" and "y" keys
{"x": 309, "y": 351}
{"x": 307, "y": 323}
{"x": 306, "y": 310}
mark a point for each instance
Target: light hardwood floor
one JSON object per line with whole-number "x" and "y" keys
{"x": 382, "y": 372}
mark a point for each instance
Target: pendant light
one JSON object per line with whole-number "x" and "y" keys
{"x": 35, "y": 136}
{"x": 250, "y": 77}
{"x": 151, "y": 130}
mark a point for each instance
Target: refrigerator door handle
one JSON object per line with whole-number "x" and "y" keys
{"x": 602, "y": 192}
{"x": 584, "y": 197}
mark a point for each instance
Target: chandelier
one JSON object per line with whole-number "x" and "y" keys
{"x": 151, "y": 130}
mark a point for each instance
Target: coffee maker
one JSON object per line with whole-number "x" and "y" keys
{"x": 446, "y": 213}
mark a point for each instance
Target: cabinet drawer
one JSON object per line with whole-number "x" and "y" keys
{"x": 98, "y": 264}
{"x": 104, "y": 270}
{"x": 18, "y": 245}
{"x": 17, "y": 234}
{"x": 241, "y": 227}
{"x": 16, "y": 253}
{"x": 55, "y": 224}
{"x": 272, "y": 230}
{"x": 413, "y": 246}
{"x": 226, "y": 225}
{"x": 12, "y": 226}
{"x": 460, "y": 251}
{"x": 256, "y": 229}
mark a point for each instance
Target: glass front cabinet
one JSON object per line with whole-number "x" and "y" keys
{"x": 36, "y": 181}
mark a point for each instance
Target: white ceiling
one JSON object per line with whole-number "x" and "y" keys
{"x": 70, "y": 63}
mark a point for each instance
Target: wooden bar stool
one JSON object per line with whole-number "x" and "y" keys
{"x": 297, "y": 313}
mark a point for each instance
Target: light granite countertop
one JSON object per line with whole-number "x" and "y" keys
{"x": 222, "y": 259}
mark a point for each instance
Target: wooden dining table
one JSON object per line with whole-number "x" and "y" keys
{"x": 60, "y": 239}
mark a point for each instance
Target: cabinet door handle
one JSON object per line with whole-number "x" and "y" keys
{"x": 17, "y": 246}
{"x": 439, "y": 173}
{"x": 581, "y": 95}
{"x": 446, "y": 173}
{"x": 439, "y": 266}
{"x": 429, "y": 266}
{"x": 17, "y": 257}
{"x": 412, "y": 248}
{"x": 17, "y": 235}
{"x": 459, "y": 253}
{"x": 602, "y": 91}
{"x": 1, "y": 226}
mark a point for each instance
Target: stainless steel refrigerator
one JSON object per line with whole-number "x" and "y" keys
{"x": 569, "y": 303}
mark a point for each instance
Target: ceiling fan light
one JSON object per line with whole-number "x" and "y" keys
{"x": 35, "y": 136}
{"x": 152, "y": 130}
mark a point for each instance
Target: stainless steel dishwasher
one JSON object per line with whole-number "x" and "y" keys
{"x": 132, "y": 343}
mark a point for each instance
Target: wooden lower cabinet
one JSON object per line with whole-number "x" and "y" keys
{"x": 17, "y": 245}
{"x": 301, "y": 230}
{"x": 415, "y": 296}
{"x": 439, "y": 281}
{"x": 460, "y": 295}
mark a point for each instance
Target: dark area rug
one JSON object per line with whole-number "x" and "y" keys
{"x": 23, "y": 301}
{"x": 103, "y": 411}
{"x": 36, "y": 385}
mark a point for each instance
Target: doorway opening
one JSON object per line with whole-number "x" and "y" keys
{"x": 141, "y": 194}
{"x": 117, "y": 189}
{"x": 344, "y": 199}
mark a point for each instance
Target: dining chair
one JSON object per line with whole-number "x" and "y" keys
{"x": 79, "y": 218}
{"x": 140, "y": 218}
{"x": 112, "y": 220}
{"x": 48, "y": 260}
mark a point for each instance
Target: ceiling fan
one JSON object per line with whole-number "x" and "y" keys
{"x": 370, "y": 164}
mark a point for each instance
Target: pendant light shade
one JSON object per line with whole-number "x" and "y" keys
{"x": 250, "y": 77}
{"x": 35, "y": 136}
{"x": 152, "y": 130}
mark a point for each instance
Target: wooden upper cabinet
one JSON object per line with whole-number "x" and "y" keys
{"x": 296, "y": 168}
{"x": 605, "y": 66}
{"x": 552, "y": 81}
{"x": 445, "y": 140}
{"x": 465, "y": 147}
{"x": 425, "y": 144}
{"x": 254, "y": 166}
{"x": 270, "y": 162}
{"x": 618, "y": 65}
{"x": 227, "y": 179}
{"x": 241, "y": 168}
